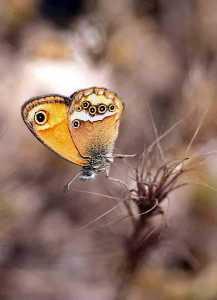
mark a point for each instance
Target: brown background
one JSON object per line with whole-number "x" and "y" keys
{"x": 161, "y": 52}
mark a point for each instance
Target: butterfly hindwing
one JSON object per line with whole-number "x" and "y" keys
{"x": 94, "y": 118}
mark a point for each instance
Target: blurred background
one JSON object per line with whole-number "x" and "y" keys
{"x": 161, "y": 52}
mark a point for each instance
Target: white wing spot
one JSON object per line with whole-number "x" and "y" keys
{"x": 83, "y": 116}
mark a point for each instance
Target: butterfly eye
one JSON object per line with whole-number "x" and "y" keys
{"x": 92, "y": 110}
{"x": 76, "y": 123}
{"x": 102, "y": 108}
{"x": 111, "y": 107}
{"x": 40, "y": 117}
{"x": 85, "y": 104}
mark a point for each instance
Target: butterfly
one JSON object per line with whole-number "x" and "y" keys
{"x": 81, "y": 128}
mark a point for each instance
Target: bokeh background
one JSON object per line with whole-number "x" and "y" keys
{"x": 161, "y": 52}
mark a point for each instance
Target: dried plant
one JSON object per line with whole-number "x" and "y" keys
{"x": 154, "y": 180}
{"x": 153, "y": 185}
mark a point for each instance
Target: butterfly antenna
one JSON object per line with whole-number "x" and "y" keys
{"x": 68, "y": 184}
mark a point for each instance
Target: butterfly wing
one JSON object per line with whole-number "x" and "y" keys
{"x": 94, "y": 118}
{"x": 47, "y": 119}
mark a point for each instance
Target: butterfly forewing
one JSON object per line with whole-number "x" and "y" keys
{"x": 47, "y": 119}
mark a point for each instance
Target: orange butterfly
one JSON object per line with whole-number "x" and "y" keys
{"x": 82, "y": 128}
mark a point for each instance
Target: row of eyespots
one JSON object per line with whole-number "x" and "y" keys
{"x": 100, "y": 109}
{"x": 41, "y": 116}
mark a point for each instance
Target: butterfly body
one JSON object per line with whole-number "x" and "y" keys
{"x": 82, "y": 128}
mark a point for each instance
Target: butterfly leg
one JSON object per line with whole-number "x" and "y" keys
{"x": 126, "y": 202}
{"x": 107, "y": 170}
{"x": 68, "y": 184}
{"x": 124, "y": 155}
